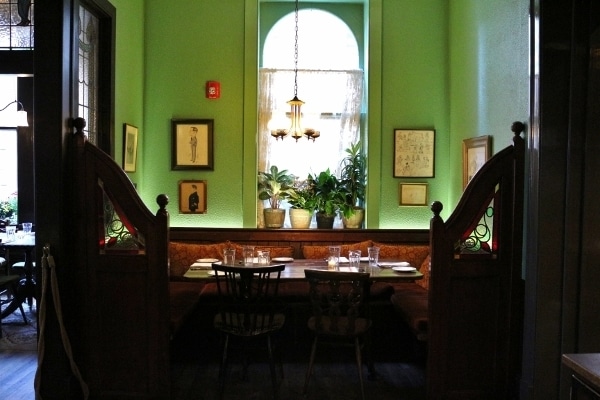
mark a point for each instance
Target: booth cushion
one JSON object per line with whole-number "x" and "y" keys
{"x": 322, "y": 251}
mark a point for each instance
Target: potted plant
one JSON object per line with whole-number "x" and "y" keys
{"x": 302, "y": 201}
{"x": 330, "y": 197}
{"x": 353, "y": 179}
{"x": 274, "y": 186}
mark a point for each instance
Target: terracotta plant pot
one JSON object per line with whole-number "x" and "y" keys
{"x": 356, "y": 220}
{"x": 300, "y": 218}
{"x": 274, "y": 217}
{"x": 325, "y": 221}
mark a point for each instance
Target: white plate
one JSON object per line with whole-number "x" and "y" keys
{"x": 404, "y": 269}
{"x": 283, "y": 259}
{"x": 394, "y": 264}
{"x": 212, "y": 273}
{"x": 207, "y": 260}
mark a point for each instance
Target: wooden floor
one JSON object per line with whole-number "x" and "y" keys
{"x": 194, "y": 370}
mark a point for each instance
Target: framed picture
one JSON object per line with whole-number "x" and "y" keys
{"x": 130, "y": 144}
{"x": 413, "y": 194}
{"x": 414, "y": 153}
{"x": 192, "y": 144}
{"x": 192, "y": 197}
{"x": 476, "y": 151}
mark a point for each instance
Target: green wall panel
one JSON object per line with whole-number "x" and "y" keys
{"x": 458, "y": 67}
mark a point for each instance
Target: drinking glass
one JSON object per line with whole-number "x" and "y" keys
{"x": 27, "y": 227}
{"x": 333, "y": 261}
{"x": 354, "y": 258}
{"x": 229, "y": 257}
{"x": 10, "y": 233}
{"x": 263, "y": 257}
{"x": 248, "y": 256}
{"x": 373, "y": 256}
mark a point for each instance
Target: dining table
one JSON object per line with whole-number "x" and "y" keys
{"x": 386, "y": 271}
{"x": 24, "y": 243}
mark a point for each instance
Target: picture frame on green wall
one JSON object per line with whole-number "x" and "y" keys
{"x": 413, "y": 194}
{"x": 476, "y": 151}
{"x": 130, "y": 144}
{"x": 192, "y": 144}
{"x": 192, "y": 197}
{"x": 414, "y": 153}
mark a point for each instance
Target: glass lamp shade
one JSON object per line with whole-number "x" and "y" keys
{"x": 21, "y": 118}
{"x": 296, "y": 118}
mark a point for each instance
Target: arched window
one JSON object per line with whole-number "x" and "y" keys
{"x": 329, "y": 82}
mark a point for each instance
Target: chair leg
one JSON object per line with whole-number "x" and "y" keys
{"x": 359, "y": 365}
{"x": 223, "y": 367}
{"x": 272, "y": 368}
{"x": 309, "y": 371}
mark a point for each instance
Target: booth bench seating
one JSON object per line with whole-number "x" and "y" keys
{"x": 408, "y": 298}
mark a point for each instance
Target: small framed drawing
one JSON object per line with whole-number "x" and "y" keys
{"x": 192, "y": 144}
{"x": 413, "y": 194}
{"x": 476, "y": 151}
{"x": 414, "y": 153}
{"x": 192, "y": 197}
{"x": 130, "y": 143}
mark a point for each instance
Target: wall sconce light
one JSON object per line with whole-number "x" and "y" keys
{"x": 18, "y": 117}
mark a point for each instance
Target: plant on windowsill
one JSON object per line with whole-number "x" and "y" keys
{"x": 302, "y": 201}
{"x": 353, "y": 179}
{"x": 274, "y": 186}
{"x": 330, "y": 197}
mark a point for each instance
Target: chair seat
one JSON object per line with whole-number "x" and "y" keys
{"x": 235, "y": 323}
{"x": 340, "y": 327}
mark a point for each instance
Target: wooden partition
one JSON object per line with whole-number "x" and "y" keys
{"x": 119, "y": 275}
{"x": 475, "y": 287}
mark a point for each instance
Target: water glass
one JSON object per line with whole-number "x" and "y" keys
{"x": 229, "y": 256}
{"x": 333, "y": 261}
{"x": 27, "y": 227}
{"x": 354, "y": 258}
{"x": 373, "y": 256}
{"x": 10, "y": 233}
{"x": 263, "y": 257}
{"x": 248, "y": 256}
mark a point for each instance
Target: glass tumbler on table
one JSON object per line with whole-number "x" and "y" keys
{"x": 248, "y": 256}
{"x": 333, "y": 261}
{"x": 354, "y": 258}
{"x": 263, "y": 257}
{"x": 229, "y": 257}
{"x": 373, "y": 257}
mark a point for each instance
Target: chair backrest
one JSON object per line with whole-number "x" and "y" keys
{"x": 339, "y": 298}
{"x": 248, "y": 304}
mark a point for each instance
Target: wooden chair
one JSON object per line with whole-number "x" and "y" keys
{"x": 339, "y": 304}
{"x": 8, "y": 286}
{"x": 249, "y": 311}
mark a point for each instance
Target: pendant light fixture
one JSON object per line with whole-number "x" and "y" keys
{"x": 19, "y": 117}
{"x": 295, "y": 128}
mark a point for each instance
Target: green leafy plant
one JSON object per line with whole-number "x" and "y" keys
{"x": 329, "y": 193}
{"x": 275, "y": 185}
{"x": 8, "y": 209}
{"x": 353, "y": 179}
{"x": 303, "y": 196}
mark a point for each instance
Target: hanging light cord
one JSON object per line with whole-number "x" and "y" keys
{"x": 296, "y": 52}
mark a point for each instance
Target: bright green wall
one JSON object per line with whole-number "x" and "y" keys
{"x": 489, "y": 81}
{"x": 414, "y": 96}
{"x": 458, "y": 67}
{"x": 129, "y": 78}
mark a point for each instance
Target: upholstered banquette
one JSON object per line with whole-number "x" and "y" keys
{"x": 186, "y": 294}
